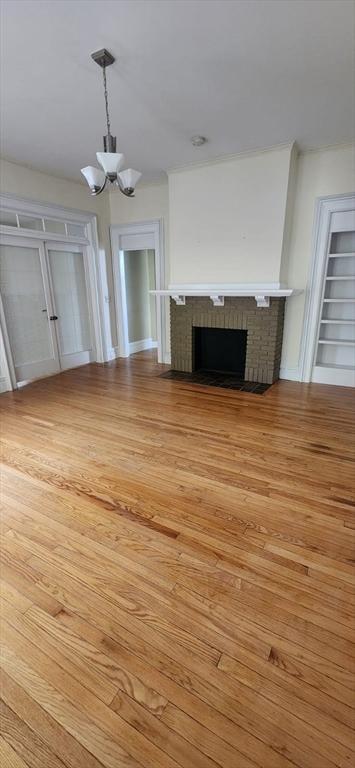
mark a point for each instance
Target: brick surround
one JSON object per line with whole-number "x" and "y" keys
{"x": 264, "y": 326}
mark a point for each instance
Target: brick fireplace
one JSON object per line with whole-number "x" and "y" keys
{"x": 263, "y": 326}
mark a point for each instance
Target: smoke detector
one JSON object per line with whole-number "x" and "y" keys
{"x": 198, "y": 141}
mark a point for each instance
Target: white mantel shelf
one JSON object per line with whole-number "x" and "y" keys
{"x": 261, "y": 293}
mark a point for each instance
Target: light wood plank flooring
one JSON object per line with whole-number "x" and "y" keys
{"x": 176, "y": 573}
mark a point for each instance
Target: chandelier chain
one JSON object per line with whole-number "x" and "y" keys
{"x": 106, "y": 102}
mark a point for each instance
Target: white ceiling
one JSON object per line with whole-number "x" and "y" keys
{"x": 245, "y": 73}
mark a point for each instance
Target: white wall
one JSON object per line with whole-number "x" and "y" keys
{"x": 40, "y": 187}
{"x": 227, "y": 219}
{"x": 151, "y": 201}
{"x": 319, "y": 173}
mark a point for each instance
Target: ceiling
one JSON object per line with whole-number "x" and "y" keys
{"x": 245, "y": 73}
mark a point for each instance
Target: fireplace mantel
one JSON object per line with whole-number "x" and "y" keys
{"x": 261, "y": 292}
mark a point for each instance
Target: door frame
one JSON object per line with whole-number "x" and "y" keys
{"x": 324, "y": 208}
{"x": 140, "y": 230}
{"x": 27, "y": 207}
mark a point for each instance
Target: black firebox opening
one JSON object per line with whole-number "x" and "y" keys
{"x": 219, "y": 349}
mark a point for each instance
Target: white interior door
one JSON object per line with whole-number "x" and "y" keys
{"x": 68, "y": 277}
{"x": 27, "y": 309}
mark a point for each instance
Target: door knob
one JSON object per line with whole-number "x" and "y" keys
{"x": 53, "y": 317}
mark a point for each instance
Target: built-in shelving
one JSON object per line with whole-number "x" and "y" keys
{"x": 336, "y": 335}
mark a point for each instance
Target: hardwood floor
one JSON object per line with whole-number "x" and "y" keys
{"x": 177, "y": 573}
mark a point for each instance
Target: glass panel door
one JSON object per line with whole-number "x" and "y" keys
{"x": 69, "y": 287}
{"x": 27, "y": 309}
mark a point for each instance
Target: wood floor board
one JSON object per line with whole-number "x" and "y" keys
{"x": 57, "y": 738}
{"x": 315, "y": 660}
{"x": 241, "y": 715}
{"x": 167, "y": 666}
{"x": 9, "y": 757}
{"x": 63, "y": 711}
{"x": 28, "y": 745}
{"x": 35, "y": 671}
{"x": 336, "y": 505}
{"x": 309, "y": 592}
{"x": 177, "y": 573}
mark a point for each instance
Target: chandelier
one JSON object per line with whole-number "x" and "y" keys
{"x": 111, "y": 161}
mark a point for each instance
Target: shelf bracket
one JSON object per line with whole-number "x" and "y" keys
{"x": 262, "y": 301}
{"x": 179, "y": 300}
{"x": 217, "y": 301}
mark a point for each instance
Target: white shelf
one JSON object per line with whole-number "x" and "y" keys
{"x": 336, "y": 367}
{"x": 339, "y": 301}
{"x": 339, "y": 322}
{"x": 341, "y": 255}
{"x": 341, "y": 277}
{"x": 338, "y": 342}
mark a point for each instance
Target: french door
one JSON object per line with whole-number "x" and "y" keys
{"x": 69, "y": 280}
{"x": 44, "y": 306}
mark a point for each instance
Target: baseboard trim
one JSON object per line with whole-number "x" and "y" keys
{"x": 112, "y": 354}
{"x": 340, "y": 377}
{"x": 141, "y": 345}
{"x": 4, "y": 387}
{"x": 290, "y": 374}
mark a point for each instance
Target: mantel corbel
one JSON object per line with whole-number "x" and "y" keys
{"x": 262, "y": 301}
{"x": 179, "y": 299}
{"x": 217, "y": 300}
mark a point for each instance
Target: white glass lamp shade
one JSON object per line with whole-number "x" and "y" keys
{"x": 129, "y": 178}
{"x": 95, "y": 177}
{"x": 111, "y": 162}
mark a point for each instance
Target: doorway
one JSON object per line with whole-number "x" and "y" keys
{"x": 45, "y": 311}
{"x": 138, "y": 269}
{"x": 139, "y": 278}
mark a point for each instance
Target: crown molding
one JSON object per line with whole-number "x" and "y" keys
{"x": 231, "y": 157}
{"x": 327, "y": 148}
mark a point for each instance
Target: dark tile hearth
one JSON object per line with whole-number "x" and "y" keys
{"x": 217, "y": 379}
